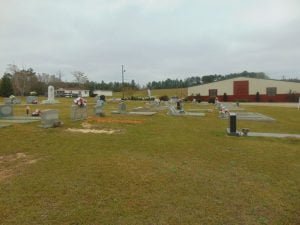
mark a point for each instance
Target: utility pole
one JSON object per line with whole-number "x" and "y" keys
{"x": 123, "y": 71}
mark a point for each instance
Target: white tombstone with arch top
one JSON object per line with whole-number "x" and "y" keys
{"x": 50, "y": 99}
{"x": 50, "y": 93}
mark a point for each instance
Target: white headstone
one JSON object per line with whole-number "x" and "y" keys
{"x": 149, "y": 93}
{"x": 50, "y": 93}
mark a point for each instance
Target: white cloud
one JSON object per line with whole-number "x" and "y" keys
{"x": 155, "y": 39}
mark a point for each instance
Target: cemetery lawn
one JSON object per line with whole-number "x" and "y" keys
{"x": 157, "y": 169}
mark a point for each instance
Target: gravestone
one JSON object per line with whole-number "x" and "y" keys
{"x": 97, "y": 98}
{"x": 50, "y": 118}
{"x": 149, "y": 93}
{"x": 11, "y": 101}
{"x": 99, "y": 108}
{"x": 179, "y": 106}
{"x": 232, "y": 125}
{"x": 6, "y": 110}
{"x": 78, "y": 112}
{"x": 7, "y": 101}
{"x": 51, "y": 93}
{"x": 122, "y": 107}
{"x": 232, "y": 122}
{"x": 50, "y": 99}
{"x": 31, "y": 100}
{"x": 100, "y": 97}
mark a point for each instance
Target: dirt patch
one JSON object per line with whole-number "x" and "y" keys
{"x": 11, "y": 164}
{"x": 92, "y": 131}
{"x": 87, "y": 125}
{"x": 109, "y": 120}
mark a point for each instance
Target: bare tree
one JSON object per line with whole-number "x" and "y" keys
{"x": 80, "y": 78}
{"x": 24, "y": 81}
{"x": 12, "y": 69}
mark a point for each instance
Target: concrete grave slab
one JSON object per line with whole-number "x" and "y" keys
{"x": 122, "y": 110}
{"x": 200, "y": 110}
{"x": 4, "y": 125}
{"x": 175, "y": 112}
{"x": 250, "y": 116}
{"x": 276, "y": 135}
{"x": 142, "y": 113}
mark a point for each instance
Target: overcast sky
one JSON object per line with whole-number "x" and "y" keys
{"x": 154, "y": 39}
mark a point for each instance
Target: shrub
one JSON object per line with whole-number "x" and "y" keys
{"x": 257, "y": 97}
{"x": 102, "y": 97}
{"x": 164, "y": 98}
{"x": 225, "y": 97}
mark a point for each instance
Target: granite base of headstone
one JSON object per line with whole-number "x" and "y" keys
{"x": 50, "y": 118}
{"x": 78, "y": 112}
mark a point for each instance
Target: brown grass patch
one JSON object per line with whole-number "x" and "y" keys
{"x": 109, "y": 120}
{"x": 10, "y": 164}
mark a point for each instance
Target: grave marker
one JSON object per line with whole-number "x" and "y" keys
{"x": 50, "y": 93}
{"x": 78, "y": 112}
{"x": 122, "y": 107}
{"x": 31, "y": 100}
{"x": 232, "y": 125}
{"x": 50, "y": 99}
{"x": 6, "y": 110}
{"x": 50, "y": 118}
{"x": 11, "y": 101}
{"x": 232, "y": 122}
{"x": 99, "y": 108}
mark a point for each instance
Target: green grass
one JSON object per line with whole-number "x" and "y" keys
{"x": 165, "y": 170}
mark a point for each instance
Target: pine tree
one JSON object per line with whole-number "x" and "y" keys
{"x": 6, "y": 88}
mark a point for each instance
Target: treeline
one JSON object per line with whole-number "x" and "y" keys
{"x": 21, "y": 82}
{"x": 197, "y": 80}
{"x": 113, "y": 86}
